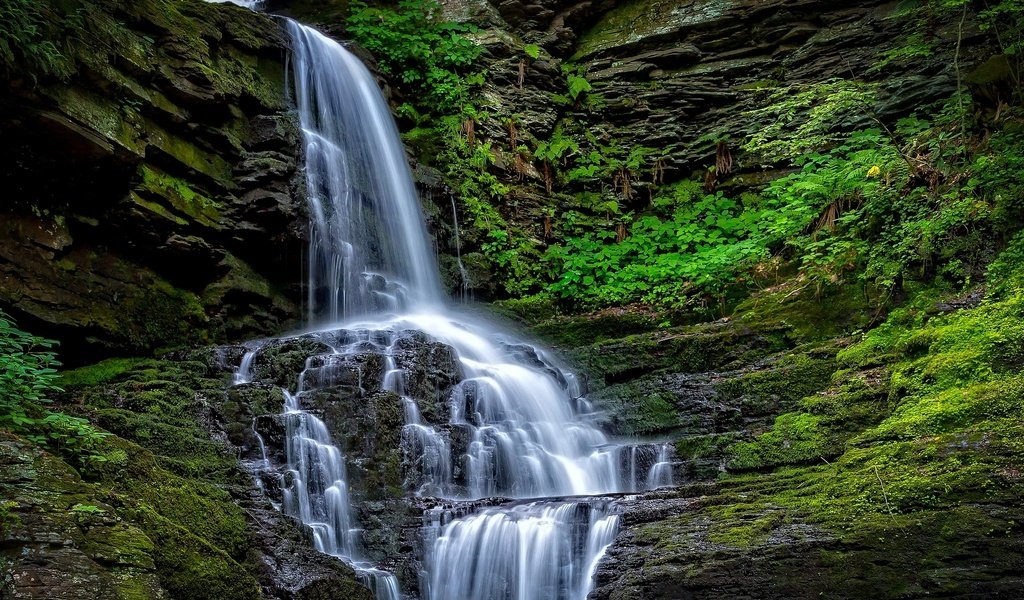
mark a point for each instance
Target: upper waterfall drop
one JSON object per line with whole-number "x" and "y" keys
{"x": 369, "y": 250}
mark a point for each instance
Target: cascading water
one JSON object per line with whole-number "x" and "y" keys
{"x": 463, "y": 273}
{"x": 250, "y": 4}
{"x": 368, "y": 244}
{"x": 514, "y": 425}
{"x": 526, "y": 551}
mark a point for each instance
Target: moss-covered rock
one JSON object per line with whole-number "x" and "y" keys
{"x": 167, "y": 498}
{"x": 820, "y": 460}
{"x": 160, "y": 138}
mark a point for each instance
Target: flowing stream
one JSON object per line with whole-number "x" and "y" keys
{"x": 516, "y": 428}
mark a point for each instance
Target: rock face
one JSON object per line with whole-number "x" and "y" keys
{"x": 784, "y": 488}
{"x": 161, "y": 508}
{"x": 670, "y": 79}
{"x": 66, "y": 542}
{"x": 152, "y": 196}
{"x": 343, "y": 378}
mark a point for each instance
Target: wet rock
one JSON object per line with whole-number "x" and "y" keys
{"x": 431, "y": 371}
{"x": 282, "y": 361}
{"x": 182, "y": 153}
{"x": 52, "y": 549}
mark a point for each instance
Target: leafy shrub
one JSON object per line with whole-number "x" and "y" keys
{"x": 413, "y": 44}
{"x": 27, "y": 381}
{"x": 927, "y": 199}
{"x": 27, "y": 375}
{"x": 27, "y": 34}
{"x": 702, "y": 246}
{"x": 795, "y": 120}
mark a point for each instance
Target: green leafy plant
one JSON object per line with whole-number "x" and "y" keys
{"x": 29, "y": 39}
{"x": 414, "y": 44}
{"x": 700, "y": 248}
{"x": 794, "y": 120}
{"x": 876, "y": 208}
{"x": 28, "y": 377}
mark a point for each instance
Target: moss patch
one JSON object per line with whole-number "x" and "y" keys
{"x": 163, "y": 472}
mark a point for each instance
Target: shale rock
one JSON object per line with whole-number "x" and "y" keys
{"x": 154, "y": 195}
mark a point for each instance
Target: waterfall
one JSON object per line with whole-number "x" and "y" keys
{"x": 536, "y": 550}
{"x": 463, "y": 274}
{"x": 514, "y": 428}
{"x": 368, "y": 243}
{"x": 250, "y": 4}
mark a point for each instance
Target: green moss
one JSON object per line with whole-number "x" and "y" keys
{"x": 180, "y": 195}
{"x": 164, "y": 472}
{"x": 163, "y": 316}
{"x": 591, "y": 329}
{"x": 190, "y": 567}
{"x": 633, "y": 21}
{"x": 936, "y": 433}
{"x": 101, "y": 372}
{"x": 637, "y": 410}
{"x": 242, "y": 279}
{"x": 189, "y": 156}
{"x": 806, "y": 316}
{"x": 794, "y": 438}
{"x": 799, "y": 373}
{"x": 691, "y": 349}
{"x": 700, "y": 446}
{"x": 118, "y": 127}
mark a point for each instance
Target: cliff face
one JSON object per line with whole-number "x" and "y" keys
{"x": 810, "y": 462}
{"x": 161, "y": 507}
{"x": 652, "y": 92}
{"x": 151, "y": 193}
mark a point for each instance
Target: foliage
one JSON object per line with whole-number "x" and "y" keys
{"x": 578, "y": 84}
{"x": 27, "y": 381}
{"x": 27, "y": 375}
{"x": 795, "y": 120}
{"x": 1005, "y": 19}
{"x": 559, "y": 147}
{"x": 923, "y": 21}
{"x": 424, "y": 52}
{"x": 927, "y": 199}
{"x": 509, "y": 252}
{"x": 702, "y": 245}
{"x": 28, "y": 32}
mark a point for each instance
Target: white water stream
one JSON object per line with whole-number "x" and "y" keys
{"x": 517, "y": 425}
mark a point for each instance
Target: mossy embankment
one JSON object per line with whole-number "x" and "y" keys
{"x": 825, "y": 446}
{"x": 158, "y": 509}
{"x": 139, "y": 137}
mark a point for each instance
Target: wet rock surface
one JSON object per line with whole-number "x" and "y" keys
{"x": 154, "y": 200}
{"x": 756, "y": 525}
{"x": 169, "y": 512}
{"x": 338, "y": 376}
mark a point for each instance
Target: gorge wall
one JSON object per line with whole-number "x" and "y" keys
{"x": 671, "y": 89}
{"x": 824, "y": 444}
